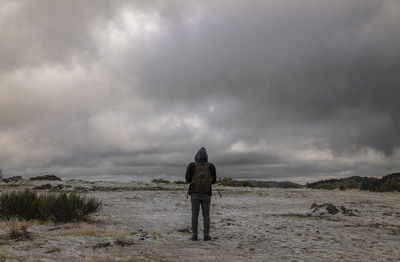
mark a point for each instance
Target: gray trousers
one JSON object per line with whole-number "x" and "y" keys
{"x": 204, "y": 201}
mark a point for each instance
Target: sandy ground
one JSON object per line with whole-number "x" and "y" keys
{"x": 151, "y": 222}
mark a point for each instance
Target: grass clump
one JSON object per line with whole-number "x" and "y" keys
{"x": 28, "y": 204}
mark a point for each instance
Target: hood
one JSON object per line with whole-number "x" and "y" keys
{"x": 201, "y": 155}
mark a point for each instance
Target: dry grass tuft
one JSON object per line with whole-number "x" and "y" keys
{"x": 157, "y": 234}
{"x": 115, "y": 251}
{"x": 17, "y": 229}
{"x": 115, "y": 233}
{"x": 35, "y": 223}
{"x": 108, "y": 259}
{"x": 83, "y": 230}
{"x": 96, "y": 259}
{"x": 3, "y": 225}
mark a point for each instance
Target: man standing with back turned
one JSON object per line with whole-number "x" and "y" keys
{"x": 201, "y": 174}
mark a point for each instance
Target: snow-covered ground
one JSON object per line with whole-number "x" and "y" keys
{"x": 151, "y": 222}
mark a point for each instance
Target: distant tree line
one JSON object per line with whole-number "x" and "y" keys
{"x": 387, "y": 183}
{"x": 227, "y": 181}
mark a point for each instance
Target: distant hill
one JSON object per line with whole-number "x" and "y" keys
{"x": 389, "y": 182}
{"x": 283, "y": 184}
{"x": 227, "y": 181}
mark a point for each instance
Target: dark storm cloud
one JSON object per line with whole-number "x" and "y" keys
{"x": 308, "y": 63}
{"x": 273, "y": 89}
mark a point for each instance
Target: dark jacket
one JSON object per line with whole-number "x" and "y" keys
{"x": 201, "y": 157}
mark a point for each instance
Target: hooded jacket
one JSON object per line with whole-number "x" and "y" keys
{"x": 200, "y": 157}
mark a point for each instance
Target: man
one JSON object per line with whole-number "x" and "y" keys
{"x": 201, "y": 174}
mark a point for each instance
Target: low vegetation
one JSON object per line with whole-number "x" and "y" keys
{"x": 345, "y": 183}
{"x": 390, "y": 184}
{"x": 180, "y": 182}
{"x": 160, "y": 181}
{"x": 28, "y": 204}
{"x": 227, "y": 181}
{"x": 387, "y": 183}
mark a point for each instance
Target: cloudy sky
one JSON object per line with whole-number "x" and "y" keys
{"x": 287, "y": 90}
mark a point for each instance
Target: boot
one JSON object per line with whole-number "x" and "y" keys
{"x": 207, "y": 238}
{"x": 194, "y": 237}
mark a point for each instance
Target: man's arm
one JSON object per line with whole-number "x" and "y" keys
{"x": 189, "y": 173}
{"x": 213, "y": 173}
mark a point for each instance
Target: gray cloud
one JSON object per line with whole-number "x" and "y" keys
{"x": 273, "y": 89}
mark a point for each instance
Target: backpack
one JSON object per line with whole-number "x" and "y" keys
{"x": 202, "y": 178}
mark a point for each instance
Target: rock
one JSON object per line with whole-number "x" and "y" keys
{"x": 81, "y": 189}
{"x": 123, "y": 243}
{"x": 59, "y": 186}
{"x": 331, "y": 209}
{"x": 53, "y": 250}
{"x": 348, "y": 212}
{"x": 184, "y": 230}
{"x": 102, "y": 245}
{"x": 43, "y": 187}
{"x": 314, "y": 205}
{"x": 11, "y": 179}
{"x": 46, "y": 177}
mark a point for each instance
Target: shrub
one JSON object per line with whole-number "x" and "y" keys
{"x": 287, "y": 184}
{"x": 63, "y": 207}
{"x": 227, "y": 181}
{"x": 160, "y": 180}
{"x": 328, "y": 186}
{"x": 389, "y": 182}
{"x": 390, "y": 185}
{"x": 17, "y": 229}
{"x": 353, "y": 182}
{"x": 179, "y": 182}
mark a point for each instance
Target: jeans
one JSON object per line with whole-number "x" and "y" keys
{"x": 204, "y": 201}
